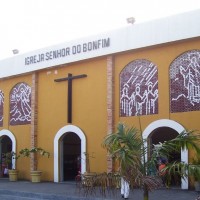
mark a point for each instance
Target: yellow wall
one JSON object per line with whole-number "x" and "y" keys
{"x": 21, "y": 132}
{"x": 162, "y": 56}
{"x": 89, "y": 111}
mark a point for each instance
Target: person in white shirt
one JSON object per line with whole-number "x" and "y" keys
{"x": 124, "y": 188}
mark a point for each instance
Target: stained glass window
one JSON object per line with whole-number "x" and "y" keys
{"x": 1, "y": 107}
{"x": 185, "y": 82}
{"x": 20, "y": 104}
{"x": 139, "y": 88}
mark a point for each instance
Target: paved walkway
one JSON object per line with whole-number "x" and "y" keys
{"x": 25, "y": 190}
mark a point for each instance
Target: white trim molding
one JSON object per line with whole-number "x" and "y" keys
{"x": 5, "y": 132}
{"x": 59, "y": 134}
{"x": 177, "y": 127}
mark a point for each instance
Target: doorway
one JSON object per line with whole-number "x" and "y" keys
{"x": 160, "y": 135}
{"x": 58, "y": 150}
{"x": 5, "y": 147}
{"x": 71, "y": 156}
{"x": 176, "y": 127}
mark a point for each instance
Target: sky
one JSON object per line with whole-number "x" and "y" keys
{"x": 29, "y": 25}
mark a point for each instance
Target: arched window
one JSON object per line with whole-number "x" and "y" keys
{"x": 20, "y": 104}
{"x": 1, "y": 107}
{"x": 185, "y": 82}
{"x": 139, "y": 88}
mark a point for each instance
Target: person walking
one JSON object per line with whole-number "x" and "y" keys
{"x": 162, "y": 172}
{"x": 124, "y": 188}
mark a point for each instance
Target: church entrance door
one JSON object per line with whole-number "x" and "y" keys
{"x": 5, "y": 147}
{"x": 71, "y": 156}
{"x": 159, "y": 135}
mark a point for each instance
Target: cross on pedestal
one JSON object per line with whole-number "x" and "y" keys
{"x": 69, "y": 79}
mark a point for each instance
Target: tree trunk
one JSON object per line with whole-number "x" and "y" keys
{"x": 146, "y": 193}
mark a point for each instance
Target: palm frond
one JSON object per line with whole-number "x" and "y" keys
{"x": 185, "y": 140}
{"x": 124, "y": 144}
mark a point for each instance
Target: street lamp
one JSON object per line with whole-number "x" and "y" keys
{"x": 15, "y": 51}
{"x": 130, "y": 20}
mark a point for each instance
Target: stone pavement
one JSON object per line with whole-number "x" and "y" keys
{"x": 25, "y": 190}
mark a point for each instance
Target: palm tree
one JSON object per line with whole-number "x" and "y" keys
{"x": 127, "y": 147}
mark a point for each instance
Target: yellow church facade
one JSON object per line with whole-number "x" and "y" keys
{"x": 68, "y": 97}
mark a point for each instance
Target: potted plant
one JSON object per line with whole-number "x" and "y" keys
{"x": 194, "y": 171}
{"x": 87, "y": 160}
{"x": 35, "y": 174}
{"x": 12, "y": 172}
{"x": 88, "y": 176}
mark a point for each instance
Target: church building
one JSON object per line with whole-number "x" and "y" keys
{"x": 66, "y": 98}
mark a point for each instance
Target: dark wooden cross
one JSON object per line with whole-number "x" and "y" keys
{"x": 69, "y": 79}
